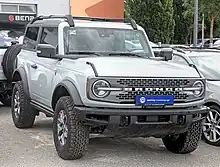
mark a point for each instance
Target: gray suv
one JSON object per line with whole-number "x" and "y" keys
{"x": 79, "y": 71}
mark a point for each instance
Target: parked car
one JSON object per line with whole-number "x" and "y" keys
{"x": 81, "y": 74}
{"x": 206, "y": 42}
{"x": 8, "y": 37}
{"x": 207, "y": 61}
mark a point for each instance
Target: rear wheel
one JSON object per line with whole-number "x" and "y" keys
{"x": 22, "y": 113}
{"x": 71, "y": 136}
{"x": 211, "y": 126}
{"x": 186, "y": 142}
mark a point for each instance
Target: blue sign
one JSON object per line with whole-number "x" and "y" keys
{"x": 155, "y": 100}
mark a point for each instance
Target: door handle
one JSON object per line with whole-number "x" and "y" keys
{"x": 34, "y": 66}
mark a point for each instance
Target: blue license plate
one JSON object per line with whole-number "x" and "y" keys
{"x": 155, "y": 100}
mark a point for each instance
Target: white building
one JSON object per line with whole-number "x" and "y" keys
{"x": 43, "y": 7}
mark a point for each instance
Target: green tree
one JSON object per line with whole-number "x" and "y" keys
{"x": 210, "y": 9}
{"x": 156, "y": 16}
{"x": 183, "y": 17}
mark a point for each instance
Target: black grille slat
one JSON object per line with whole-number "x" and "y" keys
{"x": 152, "y": 83}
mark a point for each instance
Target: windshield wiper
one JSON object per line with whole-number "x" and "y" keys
{"x": 127, "y": 54}
{"x": 85, "y": 53}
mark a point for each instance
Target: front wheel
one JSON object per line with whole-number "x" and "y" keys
{"x": 211, "y": 126}
{"x": 71, "y": 136}
{"x": 186, "y": 142}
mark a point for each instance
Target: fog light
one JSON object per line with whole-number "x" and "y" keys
{"x": 181, "y": 119}
{"x": 125, "y": 121}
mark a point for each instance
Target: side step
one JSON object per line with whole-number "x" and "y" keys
{"x": 43, "y": 109}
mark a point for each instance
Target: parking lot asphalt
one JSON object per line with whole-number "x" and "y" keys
{"x": 34, "y": 148}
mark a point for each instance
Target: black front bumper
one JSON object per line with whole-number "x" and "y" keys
{"x": 141, "y": 122}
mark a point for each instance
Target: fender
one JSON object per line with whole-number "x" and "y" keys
{"x": 23, "y": 78}
{"x": 212, "y": 101}
{"x": 72, "y": 90}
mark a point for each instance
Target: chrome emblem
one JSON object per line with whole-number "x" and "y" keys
{"x": 154, "y": 89}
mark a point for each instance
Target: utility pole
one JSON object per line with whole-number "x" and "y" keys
{"x": 195, "y": 32}
{"x": 203, "y": 27}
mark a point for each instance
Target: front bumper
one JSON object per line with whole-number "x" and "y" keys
{"x": 141, "y": 122}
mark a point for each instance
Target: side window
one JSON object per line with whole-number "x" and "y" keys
{"x": 30, "y": 38}
{"x": 179, "y": 60}
{"x": 50, "y": 36}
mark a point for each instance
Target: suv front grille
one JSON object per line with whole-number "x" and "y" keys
{"x": 129, "y": 88}
{"x": 153, "y": 82}
{"x": 152, "y": 87}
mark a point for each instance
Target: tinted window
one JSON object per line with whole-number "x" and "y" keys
{"x": 30, "y": 39}
{"x": 49, "y": 36}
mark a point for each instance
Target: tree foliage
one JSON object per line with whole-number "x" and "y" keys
{"x": 211, "y": 10}
{"x": 156, "y": 16}
{"x": 183, "y": 16}
{"x": 171, "y": 21}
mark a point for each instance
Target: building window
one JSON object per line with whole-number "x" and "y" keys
{"x": 18, "y": 8}
{"x": 30, "y": 9}
{"x": 9, "y": 8}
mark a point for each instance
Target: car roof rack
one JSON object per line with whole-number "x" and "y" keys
{"x": 70, "y": 19}
{"x": 125, "y": 20}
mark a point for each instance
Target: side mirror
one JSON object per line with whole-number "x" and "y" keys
{"x": 166, "y": 53}
{"x": 46, "y": 50}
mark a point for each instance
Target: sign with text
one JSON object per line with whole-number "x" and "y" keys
{"x": 16, "y": 18}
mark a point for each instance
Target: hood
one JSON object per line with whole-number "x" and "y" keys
{"x": 138, "y": 67}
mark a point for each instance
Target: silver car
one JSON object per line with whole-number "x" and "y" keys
{"x": 84, "y": 75}
{"x": 207, "y": 62}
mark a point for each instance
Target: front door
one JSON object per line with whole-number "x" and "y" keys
{"x": 43, "y": 69}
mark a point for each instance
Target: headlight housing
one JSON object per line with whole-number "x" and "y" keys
{"x": 98, "y": 88}
{"x": 199, "y": 88}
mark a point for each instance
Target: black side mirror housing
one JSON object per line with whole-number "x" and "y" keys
{"x": 166, "y": 53}
{"x": 46, "y": 51}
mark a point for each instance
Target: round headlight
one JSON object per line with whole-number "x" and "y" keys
{"x": 200, "y": 88}
{"x": 98, "y": 88}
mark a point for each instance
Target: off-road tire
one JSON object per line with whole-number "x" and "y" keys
{"x": 27, "y": 113}
{"x": 8, "y": 61}
{"x": 78, "y": 134}
{"x": 186, "y": 142}
{"x": 217, "y": 109}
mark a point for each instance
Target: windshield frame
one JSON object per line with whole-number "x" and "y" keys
{"x": 207, "y": 73}
{"x": 146, "y": 50}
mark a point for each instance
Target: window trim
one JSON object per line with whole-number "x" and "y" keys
{"x": 37, "y": 41}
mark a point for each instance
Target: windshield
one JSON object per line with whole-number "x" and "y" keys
{"x": 105, "y": 41}
{"x": 208, "y": 65}
{"x": 10, "y": 33}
